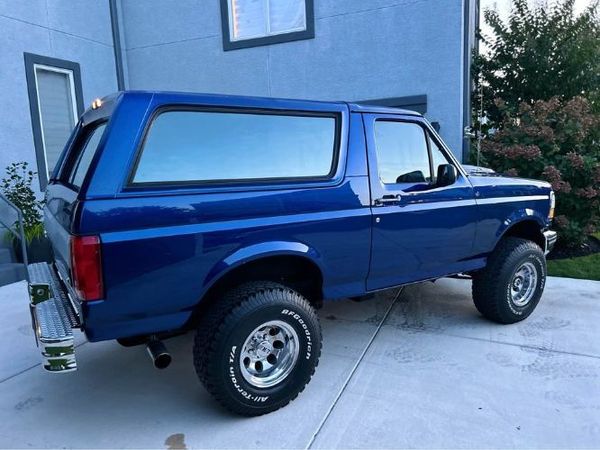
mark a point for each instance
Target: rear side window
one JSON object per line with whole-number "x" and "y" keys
{"x": 402, "y": 155}
{"x": 208, "y": 146}
{"x": 84, "y": 158}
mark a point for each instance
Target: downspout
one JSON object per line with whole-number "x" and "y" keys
{"x": 466, "y": 81}
{"x": 470, "y": 23}
{"x": 116, "y": 37}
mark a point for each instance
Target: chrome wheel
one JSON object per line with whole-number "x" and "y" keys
{"x": 523, "y": 284}
{"x": 269, "y": 354}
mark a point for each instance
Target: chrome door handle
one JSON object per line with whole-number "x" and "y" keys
{"x": 387, "y": 200}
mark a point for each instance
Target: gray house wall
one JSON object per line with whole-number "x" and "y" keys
{"x": 75, "y": 31}
{"x": 363, "y": 49}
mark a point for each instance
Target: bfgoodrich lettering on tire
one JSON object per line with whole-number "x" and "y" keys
{"x": 512, "y": 283}
{"x": 258, "y": 348}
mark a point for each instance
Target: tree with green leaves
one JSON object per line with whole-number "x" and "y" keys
{"x": 540, "y": 52}
{"x": 538, "y": 92}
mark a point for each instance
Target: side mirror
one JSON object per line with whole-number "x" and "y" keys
{"x": 446, "y": 175}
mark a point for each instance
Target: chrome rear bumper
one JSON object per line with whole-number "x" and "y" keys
{"x": 53, "y": 318}
{"x": 550, "y": 238}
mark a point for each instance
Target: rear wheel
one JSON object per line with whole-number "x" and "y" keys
{"x": 258, "y": 348}
{"x": 512, "y": 283}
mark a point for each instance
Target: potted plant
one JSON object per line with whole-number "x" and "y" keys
{"x": 16, "y": 186}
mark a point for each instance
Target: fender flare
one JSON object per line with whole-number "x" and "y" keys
{"x": 519, "y": 216}
{"x": 258, "y": 251}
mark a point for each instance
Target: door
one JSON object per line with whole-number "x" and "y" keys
{"x": 420, "y": 230}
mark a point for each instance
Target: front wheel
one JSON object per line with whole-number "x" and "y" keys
{"x": 259, "y": 348}
{"x": 512, "y": 283}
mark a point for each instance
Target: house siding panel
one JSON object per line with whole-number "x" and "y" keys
{"x": 361, "y": 50}
{"x": 78, "y": 33}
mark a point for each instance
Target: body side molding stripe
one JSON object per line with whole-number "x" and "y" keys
{"x": 523, "y": 198}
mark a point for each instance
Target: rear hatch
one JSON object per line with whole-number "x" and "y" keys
{"x": 67, "y": 185}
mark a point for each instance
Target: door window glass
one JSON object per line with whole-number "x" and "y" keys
{"x": 402, "y": 155}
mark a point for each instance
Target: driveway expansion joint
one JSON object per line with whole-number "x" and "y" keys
{"x": 353, "y": 370}
{"x": 10, "y": 377}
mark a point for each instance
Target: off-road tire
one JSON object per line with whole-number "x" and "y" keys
{"x": 221, "y": 335}
{"x": 492, "y": 285}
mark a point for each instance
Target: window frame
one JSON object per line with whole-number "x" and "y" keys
{"x": 230, "y": 44}
{"x": 130, "y": 184}
{"x": 33, "y": 63}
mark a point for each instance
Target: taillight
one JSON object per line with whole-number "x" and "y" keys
{"x": 86, "y": 266}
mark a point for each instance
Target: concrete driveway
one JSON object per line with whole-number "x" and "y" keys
{"x": 435, "y": 375}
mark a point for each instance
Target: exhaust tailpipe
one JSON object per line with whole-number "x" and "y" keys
{"x": 161, "y": 358}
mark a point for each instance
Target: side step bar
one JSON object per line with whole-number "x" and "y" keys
{"x": 53, "y": 318}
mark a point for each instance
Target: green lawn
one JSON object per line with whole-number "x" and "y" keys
{"x": 587, "y": 267}
{"x": 584, "y": 267}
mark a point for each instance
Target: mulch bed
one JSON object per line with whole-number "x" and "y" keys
{"x": 589, "y": 247}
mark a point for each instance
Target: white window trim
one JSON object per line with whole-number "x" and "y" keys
{"x": 71, "y": 77}
{"x": 232, "y": 26}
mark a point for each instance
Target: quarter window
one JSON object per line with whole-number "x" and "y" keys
{"x": 204, "y": 146}
{"x": 402, "y": 155}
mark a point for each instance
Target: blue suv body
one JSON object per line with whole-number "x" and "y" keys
{"x": 175, "y": 211}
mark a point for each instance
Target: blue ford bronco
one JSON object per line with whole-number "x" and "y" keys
{"x": 237, "y": 217}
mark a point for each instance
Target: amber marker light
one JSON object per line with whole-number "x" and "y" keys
{"x": 96, "y": 103}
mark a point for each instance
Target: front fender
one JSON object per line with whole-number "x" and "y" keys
{"x": 518, "y": 216}
{"x": 254, "y": 252}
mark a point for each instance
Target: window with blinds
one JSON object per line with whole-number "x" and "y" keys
{"x": 57, "y": 109}
{"x": 251, "y": 19}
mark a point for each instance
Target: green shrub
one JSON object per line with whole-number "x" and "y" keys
{"x": 557, "y": 141}
{"x": 16, "y": 186}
